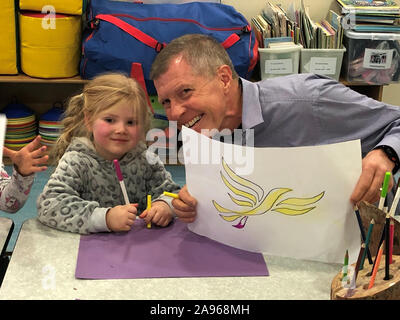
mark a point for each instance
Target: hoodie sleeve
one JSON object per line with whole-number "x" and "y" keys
{"x": 60, "y": 204}
{"x": 14, "y": 190}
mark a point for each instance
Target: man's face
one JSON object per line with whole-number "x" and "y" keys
{"x": 193, "y": 101}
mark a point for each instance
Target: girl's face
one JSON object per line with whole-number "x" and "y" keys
{"x": 115, "y": 131}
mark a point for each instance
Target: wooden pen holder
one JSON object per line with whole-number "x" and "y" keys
{"x": 382, "y": 289}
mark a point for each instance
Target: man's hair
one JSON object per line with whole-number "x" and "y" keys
{"x": 203, "y": 53}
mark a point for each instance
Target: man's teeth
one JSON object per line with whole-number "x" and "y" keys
{"x": 192, "y": 122}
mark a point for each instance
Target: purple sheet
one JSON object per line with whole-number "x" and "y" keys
{"x": 174, "y": 251}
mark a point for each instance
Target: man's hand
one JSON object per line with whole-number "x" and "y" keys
{"x": 185, "y": 206}
{"x": 374, "y": 167}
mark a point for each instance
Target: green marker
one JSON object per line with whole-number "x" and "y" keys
{"x": 384, "y": 190}
{"x": 345, "y": 265}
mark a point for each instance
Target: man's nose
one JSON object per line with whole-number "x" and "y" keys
{"x": 177, "y": 109}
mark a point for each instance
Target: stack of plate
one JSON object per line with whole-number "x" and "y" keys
{"x": 50, "y": 126}
{"x": 21, "y": 126}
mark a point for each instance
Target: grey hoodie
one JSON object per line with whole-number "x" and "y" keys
{"x": 84, "y": 186}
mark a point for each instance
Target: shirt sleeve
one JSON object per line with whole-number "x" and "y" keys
{"x": 60, "y": 205}
{"x": 14, "y": 190}
{"x": 338, "y": 109}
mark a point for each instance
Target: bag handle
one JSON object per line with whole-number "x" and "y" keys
{"x": 137, "y": 74}
{"x": 150, "y": 41}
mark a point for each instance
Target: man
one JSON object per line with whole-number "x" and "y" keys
{"x": 199, "y": 88}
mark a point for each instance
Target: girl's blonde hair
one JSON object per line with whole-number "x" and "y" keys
{"x": 99, "y": 94}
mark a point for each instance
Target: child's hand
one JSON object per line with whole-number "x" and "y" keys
{"x": 160, "y": 213}
{"x": 121, "y": 218}
{"x": 29, "y": 159}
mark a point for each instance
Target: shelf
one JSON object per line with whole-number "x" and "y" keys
{"x": 22, "y": 78}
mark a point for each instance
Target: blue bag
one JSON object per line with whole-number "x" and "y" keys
{"x": 126, "y": 37}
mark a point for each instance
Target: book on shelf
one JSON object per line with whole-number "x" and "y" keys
{"x": 269, "y": 41}
{"x": 369, "y": 6}
{"x": 282, "y": 45}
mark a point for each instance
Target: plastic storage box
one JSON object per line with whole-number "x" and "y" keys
{"x": 372, "y": 58}
{"x": 327, "y": 62}
{"x": 275, "y": 62}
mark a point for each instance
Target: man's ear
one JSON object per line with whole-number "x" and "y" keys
{"x": 224, "y": 74}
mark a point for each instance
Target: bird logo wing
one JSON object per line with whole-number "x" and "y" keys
{"x": 249, "y": 197}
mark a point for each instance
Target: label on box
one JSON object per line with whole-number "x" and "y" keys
{"x": 377, "y": 59}
{"x": 279, "y": 66}
{"x": 323, "y": 65}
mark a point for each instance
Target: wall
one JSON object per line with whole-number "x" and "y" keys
{"x": 318, "y": 10}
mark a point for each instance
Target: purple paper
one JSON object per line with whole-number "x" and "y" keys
{"x": 173, "y": 251}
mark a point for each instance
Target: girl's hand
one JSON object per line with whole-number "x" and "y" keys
{"x": 160, "y": 214}
{"x": 29, "y": 159}
{"x": 121, "y": 218}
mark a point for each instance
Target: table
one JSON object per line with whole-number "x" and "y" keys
{"x": 43, "y": 265}
{"x": 6, "y": 228}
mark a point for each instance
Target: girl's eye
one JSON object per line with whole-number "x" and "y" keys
{"x": 131, "y": 122}
{"x": 109, "y": 120}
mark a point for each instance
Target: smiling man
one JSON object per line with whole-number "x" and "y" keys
{"x": 199, "y": 88}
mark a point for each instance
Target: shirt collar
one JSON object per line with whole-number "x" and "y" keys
{"x": 251, "y": 107}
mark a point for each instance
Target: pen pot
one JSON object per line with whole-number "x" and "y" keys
{"x": 382, "y": 289}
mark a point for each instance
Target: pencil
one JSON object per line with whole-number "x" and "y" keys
{"x": 371, "y": 226}
{"x": 121, "y": 181}
{"x": 357, "y": 268}
{"x": 391, "y": 235}
{"x": 387, "y": 226}
{"x": 384, "y": 190}
{"x": 345, "y": 265}
{"x": 363, "y": 239}
{"x": 148, "y": 207}
{"x": 394, "y": 203}
{"x": 170, "y": 194}
{"x": 377, "y": 261}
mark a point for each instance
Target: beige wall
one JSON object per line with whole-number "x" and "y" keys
{"x": 318, "y": 10}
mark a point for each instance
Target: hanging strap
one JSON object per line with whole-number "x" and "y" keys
{"x": 137, "y": 74}
{"x": 150, "y": 41}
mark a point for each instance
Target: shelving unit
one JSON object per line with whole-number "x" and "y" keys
{"x": 37, "y": 94}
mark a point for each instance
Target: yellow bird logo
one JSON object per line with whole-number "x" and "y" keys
{"x": 254, "y": 202}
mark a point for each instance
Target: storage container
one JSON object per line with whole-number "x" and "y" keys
{"x": 75, "y": 7}
{"x": 279, "y": 61}
{"x": 326, "y": 62}
{"x": 8, "y": 43}
{"x": 372, "y": 58}
{"x": 50, "y": 49}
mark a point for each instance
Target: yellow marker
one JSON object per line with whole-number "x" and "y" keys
{"x": 149, "y": 207}
{"x": 170, "y": 194}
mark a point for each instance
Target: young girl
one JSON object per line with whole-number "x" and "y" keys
{"x": 14, "y": 190}
{"x": 107, "y": 121}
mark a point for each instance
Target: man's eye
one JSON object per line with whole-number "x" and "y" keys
{"x": 186, "y": 91}
{"x": 166, "y": 103}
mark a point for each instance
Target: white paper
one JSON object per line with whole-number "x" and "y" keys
{"x": 320, "y": 65}
{"x": 3, "y": 126}
{"x": 322, "y": 234}
{"x": 377, "y": 59}
{"x": 279, "y": 66}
